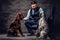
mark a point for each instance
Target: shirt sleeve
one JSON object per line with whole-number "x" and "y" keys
{"x": 28, "y": 15}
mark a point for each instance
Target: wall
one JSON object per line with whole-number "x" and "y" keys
{"x": 9, "y": 8}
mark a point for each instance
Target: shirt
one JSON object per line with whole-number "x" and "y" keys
{"x": 28, "y": 13}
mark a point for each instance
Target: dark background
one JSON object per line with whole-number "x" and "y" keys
{"x": 9, "y": 8}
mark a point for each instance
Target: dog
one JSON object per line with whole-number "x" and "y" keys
{"x": 42, "y": 27}
{"x": 15, "y": 26}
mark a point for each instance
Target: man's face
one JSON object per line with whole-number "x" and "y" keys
{"x": 33, "y": 6}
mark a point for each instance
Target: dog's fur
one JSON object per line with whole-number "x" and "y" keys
{"x": 42, "y": 27}
{"x": 15, "y": 26}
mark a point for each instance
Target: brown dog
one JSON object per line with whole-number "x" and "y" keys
{"x": 15, "y": 26}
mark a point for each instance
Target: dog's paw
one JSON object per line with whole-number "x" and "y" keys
{"x": 38, "y": 35}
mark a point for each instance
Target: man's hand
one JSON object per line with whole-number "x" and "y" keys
{"x": 30, "y": 17}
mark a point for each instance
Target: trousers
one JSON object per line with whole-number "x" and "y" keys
{"x": 29, "y": 23}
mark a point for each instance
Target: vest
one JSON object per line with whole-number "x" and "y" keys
{"x": 36, "y": 15}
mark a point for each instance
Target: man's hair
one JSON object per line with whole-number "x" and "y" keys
{"x": 33, "y": 2}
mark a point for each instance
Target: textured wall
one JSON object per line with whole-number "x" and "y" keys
{"x": 9, "y": 8}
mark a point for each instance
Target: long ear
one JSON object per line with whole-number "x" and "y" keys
{"x": 17, "y": 16}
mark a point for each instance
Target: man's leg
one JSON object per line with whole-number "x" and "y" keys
{"x": 29, "y": 24}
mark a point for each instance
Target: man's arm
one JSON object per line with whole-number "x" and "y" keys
{"x": 28, "y": 15}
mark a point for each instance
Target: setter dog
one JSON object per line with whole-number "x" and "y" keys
{"x": 15, "y": 26}
{"x": 42, "y": 27}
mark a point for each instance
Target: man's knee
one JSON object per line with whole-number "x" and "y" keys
{"x": 26, "y": 22}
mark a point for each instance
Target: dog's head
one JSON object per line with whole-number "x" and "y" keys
{"x": 19, "y": 16}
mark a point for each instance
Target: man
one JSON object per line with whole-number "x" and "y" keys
{"x": 33, "y": 15}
